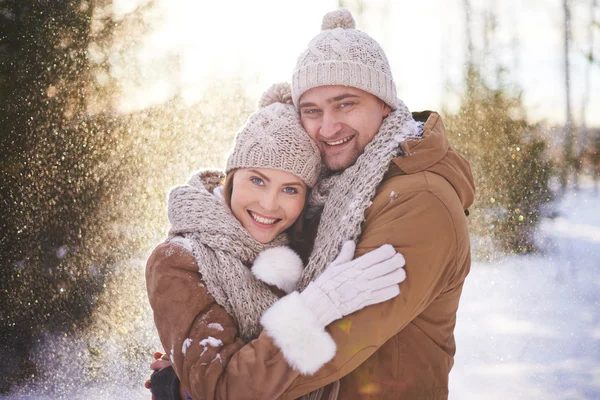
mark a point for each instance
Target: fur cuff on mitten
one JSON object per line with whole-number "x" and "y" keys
{"x": 278, "y": 266}
{"x": 294, "y": 328}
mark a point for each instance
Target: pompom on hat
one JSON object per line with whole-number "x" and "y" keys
{"x": 273, "y": 137}
{"x": 343, "y": 55}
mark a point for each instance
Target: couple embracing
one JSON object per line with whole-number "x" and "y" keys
{"x": 327, "y": 260}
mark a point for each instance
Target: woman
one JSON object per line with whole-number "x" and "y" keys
{"x": 222, "y": 224}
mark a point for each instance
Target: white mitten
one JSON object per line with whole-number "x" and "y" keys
{"x": 348, "y": 285}
{"x": 297, "y": 322}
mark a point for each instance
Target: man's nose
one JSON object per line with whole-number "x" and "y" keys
{"x": 330, "y": 126}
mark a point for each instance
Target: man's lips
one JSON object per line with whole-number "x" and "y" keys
{"x": 333, "y": 143}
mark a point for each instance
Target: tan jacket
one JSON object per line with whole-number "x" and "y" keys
{"x": 400, "y": 349}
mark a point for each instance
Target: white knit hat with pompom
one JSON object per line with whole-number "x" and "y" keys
{"x": 343, "y": 55}
{"x": 272, "y": 137}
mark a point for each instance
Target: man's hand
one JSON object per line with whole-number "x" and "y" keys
{"x": 346, "y": 286}
{"x": 349, "y": 285}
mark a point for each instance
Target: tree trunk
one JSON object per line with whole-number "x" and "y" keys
{"x": 568, "y": 162}
{"x": 582, "y": 137}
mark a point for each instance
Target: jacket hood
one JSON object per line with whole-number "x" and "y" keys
{"x": 432, "y": 153}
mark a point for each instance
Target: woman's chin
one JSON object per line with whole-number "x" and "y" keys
{"x": 263, "y": 233}
{"x": 264, "y": 239}
{"x": 262, "y": 236}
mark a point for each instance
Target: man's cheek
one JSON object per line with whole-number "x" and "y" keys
{"x": 311, "y": 128}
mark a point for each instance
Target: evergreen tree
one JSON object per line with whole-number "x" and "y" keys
{"x": 509, "y": 166}
{"x": 44, "y": 193}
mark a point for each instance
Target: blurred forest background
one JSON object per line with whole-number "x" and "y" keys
{"x": 84, "y": 181}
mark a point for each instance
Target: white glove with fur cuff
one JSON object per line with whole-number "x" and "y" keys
{"x": 297, "y": 322}
{"x": 349, "y": 285}
{"x": 278, "y": 266}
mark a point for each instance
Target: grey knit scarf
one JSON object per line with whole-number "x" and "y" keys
{"x": 223, "y": 249}
{"x": 344, "y": 197}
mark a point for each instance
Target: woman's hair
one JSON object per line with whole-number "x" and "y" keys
{"x": 228, "y": 188}
{"x": 294, "y": 231}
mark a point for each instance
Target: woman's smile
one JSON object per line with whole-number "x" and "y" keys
{"x": 261, "y": 220}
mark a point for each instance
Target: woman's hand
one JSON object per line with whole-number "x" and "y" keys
{"x": 160, "y": 361}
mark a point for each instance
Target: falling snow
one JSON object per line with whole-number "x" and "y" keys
{"x": 528, "y": 326}
{"x": 62, "y": 251}
{"x": 97, "y": 132}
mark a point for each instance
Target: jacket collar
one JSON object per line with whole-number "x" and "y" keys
{"x": 426, "y": 151}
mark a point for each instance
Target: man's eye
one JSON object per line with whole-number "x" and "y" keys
{"x": 310, "y": 111}
{"x": 257, "y": 181}
{"x": 290, "y": 190}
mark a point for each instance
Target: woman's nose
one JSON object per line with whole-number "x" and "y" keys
{"x": 269, "y": 201}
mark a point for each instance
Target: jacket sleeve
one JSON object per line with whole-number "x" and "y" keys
{"x": 420, "y": 227}
{"x": 201, "y": 338}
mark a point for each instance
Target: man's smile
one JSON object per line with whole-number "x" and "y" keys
{"x": 339, "y": 142}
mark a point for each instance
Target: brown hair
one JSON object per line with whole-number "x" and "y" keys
{"x": 228, "y": 188}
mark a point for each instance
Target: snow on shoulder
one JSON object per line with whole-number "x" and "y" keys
{"x": 182, "y": 242}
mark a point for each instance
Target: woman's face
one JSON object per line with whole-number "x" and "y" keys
{"x": 266, "y": 201}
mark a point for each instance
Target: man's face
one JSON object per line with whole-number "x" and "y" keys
{"x": 342, "y": 120}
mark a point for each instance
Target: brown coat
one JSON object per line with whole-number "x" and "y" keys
{"x": 400, "y": 349}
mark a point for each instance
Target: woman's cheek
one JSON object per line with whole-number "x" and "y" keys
{"x": 295, "y": 207}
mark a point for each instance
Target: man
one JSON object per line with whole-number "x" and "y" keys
{"x": 393, "y": 179}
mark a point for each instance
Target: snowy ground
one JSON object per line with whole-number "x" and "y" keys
{"x": 528, "y": 326}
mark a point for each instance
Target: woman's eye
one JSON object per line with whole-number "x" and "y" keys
{"x": 257, "y": 181}
{"x": 344, "y": 105}
{"x": 290, "y": 190}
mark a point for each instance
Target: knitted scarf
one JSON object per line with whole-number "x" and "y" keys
{"x": 223, "y": 249}
{"x": 344, "y": 197}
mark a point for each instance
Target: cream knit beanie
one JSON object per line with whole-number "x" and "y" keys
{"x": 272, "y": 137}
{"x": 343, "y": 55}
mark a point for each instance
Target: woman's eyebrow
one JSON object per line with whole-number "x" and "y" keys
{"x": 259, "y": 174}
{"x": 292, "y": 184}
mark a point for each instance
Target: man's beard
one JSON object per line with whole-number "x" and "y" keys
{"x": 341, "y": 163}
